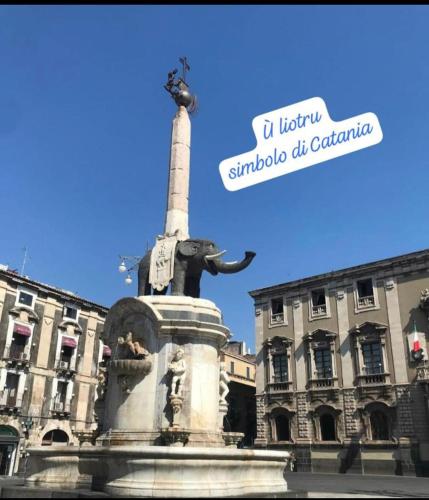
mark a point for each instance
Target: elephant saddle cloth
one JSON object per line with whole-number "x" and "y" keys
{"x": 162, "y": 262}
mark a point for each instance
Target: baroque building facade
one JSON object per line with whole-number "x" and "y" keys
{"x": 241, "y": 368}
{"x": 50, "y": 351}
{"x": 336, "y": 379}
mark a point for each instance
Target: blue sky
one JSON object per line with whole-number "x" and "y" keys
{"x": 85, "y": 130}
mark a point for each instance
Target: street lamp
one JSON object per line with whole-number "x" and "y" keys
{"x": 128, "y": 263}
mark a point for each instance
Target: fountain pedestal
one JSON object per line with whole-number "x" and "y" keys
{"x": 161, "y": 433}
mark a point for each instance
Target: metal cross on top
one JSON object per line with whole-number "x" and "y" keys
{"x": 185, "y": 67}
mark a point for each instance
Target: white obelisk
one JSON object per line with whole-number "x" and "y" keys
{"x": 178, "y": 182}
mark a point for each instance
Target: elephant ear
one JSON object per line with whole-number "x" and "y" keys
{"x": 188, "y": 248}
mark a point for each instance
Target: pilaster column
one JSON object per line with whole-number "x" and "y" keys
{"x": 396, "y": 335}
{"x": 300, "y": 350}
{"x": 346, "y": 347}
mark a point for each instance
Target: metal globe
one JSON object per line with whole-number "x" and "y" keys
{"x": 183, "y": 98}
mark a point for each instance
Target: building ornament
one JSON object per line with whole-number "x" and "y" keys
{"x": 389, "y": 284}
{"x": 71, "y": 322}
{"x": 132, "y": 360}
{"x": 424, "y": 301}
{"x": 22, "y": 310}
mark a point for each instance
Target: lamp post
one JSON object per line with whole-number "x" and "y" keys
{"x": 128, "y": 264}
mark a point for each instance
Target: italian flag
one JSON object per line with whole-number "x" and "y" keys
{"x": 416, "y": 341}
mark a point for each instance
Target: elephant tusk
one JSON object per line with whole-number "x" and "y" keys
{"x": 215, "y": 256}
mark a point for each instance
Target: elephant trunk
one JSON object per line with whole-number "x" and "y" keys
{"x": 214, "y": 262}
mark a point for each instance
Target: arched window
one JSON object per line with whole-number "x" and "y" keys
{"x": 327, "y": 427}
{"x": 282, "y": 424}
{"x": 55, "y": 437}
{"x": 379, "y": 426}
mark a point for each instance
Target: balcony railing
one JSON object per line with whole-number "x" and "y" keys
{"x": 320, "y": 383}
{"x": 16, "y": 353}
{"x": 8, "y": 398}
{"x": 60, "y": 406}
{"x": 366, "y": 301}
{"x": 318, "y": 310}
{"x": 64, "y": 364}
{"x": 280, "y": 386}
{"x": 277, "y": 318}
{"x": 373, "y": 376}
{"x": 423, "y": 373}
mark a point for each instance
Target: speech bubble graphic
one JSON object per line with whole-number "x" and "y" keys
{"x": 296, "y": 137}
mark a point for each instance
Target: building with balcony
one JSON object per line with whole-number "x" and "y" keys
{"x": 336, "y": 379}
{"x": 50, "y": 350}
{"x": 241, "y": 367}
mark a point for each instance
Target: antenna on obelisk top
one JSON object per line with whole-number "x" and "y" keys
{"x": 176, "y": 220}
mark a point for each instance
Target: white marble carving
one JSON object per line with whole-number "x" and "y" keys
{"x": 224, "y": 380}
{"x": 162, "y": 262}
{"x": 178, "y": 368}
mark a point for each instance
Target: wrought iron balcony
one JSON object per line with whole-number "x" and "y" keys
{"x": 368, "y": 301}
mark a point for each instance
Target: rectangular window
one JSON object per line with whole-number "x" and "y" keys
{"x": 280, "y": 367}
{"x": 323, "y": 363}
{"x": 277, "y": 313}
{"x": 365, "y": 293}
{"x": 70, "y": 312}
{"x": 66, "y": 356}
{"x": 318, "y": 302}
{"x": 372, "y": 358}
{"x": 60, "y": 396}
{"x": 247, "y": 372}
{"x": 17, "y": 347}
{"x": 10, "y": 392}
{"x": 25, "y": 298}
{"x": 232, "y": 366}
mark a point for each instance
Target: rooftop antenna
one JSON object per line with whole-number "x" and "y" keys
{"x": 24, "y": 260}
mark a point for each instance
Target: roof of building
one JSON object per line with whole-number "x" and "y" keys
{"x": 386, "y": 263}
{"x": 14, "y": 276}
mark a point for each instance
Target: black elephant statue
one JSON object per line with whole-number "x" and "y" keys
{"x": 192, "y": 257}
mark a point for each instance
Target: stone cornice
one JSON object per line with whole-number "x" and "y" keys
{"x": 393, "y": 266}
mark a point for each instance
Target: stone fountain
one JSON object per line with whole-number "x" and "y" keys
{"x": 162, "y": 430}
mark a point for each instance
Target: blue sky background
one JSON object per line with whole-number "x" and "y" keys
{"x": 85, "y": 131}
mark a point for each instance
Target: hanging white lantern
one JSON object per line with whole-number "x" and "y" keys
{"x": 128, "y": 280}
{"x": 122, "y": 267}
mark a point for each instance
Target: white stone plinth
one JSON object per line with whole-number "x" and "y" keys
{"x": 158, "y": 471}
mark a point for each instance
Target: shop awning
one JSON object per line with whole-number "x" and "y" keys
{"x": 68, "y": 342}
{"x": 107, "y": 351}
{"x": 22, "y": 330}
